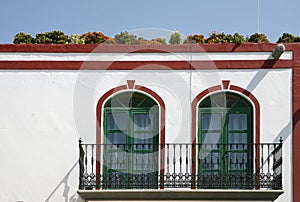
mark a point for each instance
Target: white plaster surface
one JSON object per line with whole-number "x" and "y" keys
{"x": 43, "y": 114}
{"x": 13, "y": 56}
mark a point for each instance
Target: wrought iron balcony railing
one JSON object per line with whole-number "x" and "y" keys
{"x": 196, "y": 166}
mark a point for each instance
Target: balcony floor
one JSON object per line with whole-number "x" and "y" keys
{"x": 182, "y": 195}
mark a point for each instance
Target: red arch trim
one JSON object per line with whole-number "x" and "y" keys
{"x": 99, "y": 110}
{"x": 200, "y": 96}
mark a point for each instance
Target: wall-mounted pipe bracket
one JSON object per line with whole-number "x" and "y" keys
{"x": 277, "y": 52}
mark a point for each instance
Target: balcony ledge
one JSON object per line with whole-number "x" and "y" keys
{"x": 183, "y": 194}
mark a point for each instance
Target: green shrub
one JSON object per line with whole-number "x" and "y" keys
{"x": 288, "y": 38}
{"x": 258, "y": 38}
{"x": 238, "y": 39}
{"x": 110, "y": 40}
{"x": 23, "y": 38}
{"x": 94, "y": 37}
{"x": 145, "y": 41}
{"x": 175, "y": 38}
{"x": 126, "y": 38}
{"x": 160, "y": 40}
{"x": 156, "y": 41}
{"x": 76, "y": 39}
{"x": 54, "y": 37}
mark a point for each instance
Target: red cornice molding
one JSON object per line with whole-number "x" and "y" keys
{"x": 144, "y": 65}
{"x": 79, "y": 48}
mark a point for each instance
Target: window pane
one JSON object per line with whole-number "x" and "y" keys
{"x": 238, "y": 138}
{"x": 219, "y": 99}
{"x": 117, "y": 138}
{"x": 212, "y": 121}
{"x": 143, "y": 122}
{"x": 117, "y": 121}
{"x": 211, "y": 138}
{"x": 143, "y": 141}
{"x": 237, "y": 121}
{"x": 144, "y": 137}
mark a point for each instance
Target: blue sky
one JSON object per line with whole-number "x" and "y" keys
{"x": 113, "y": 16}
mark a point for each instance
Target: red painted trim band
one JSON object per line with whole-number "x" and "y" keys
{"x": 143, "y": 65}
{"x": 79, "y": 48}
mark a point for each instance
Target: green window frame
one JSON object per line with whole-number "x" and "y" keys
{"x": 225, "y": 134}
{"x": 131, "y": 142}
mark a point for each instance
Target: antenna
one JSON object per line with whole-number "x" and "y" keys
{"x": 258, "y": 16}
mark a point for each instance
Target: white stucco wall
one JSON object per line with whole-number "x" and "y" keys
{"x": 43, "y": 114}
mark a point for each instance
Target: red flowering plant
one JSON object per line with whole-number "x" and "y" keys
{"x": 94, "y": 37}
{"x": 215, "y": 37}
{"x": 196, "y": 38}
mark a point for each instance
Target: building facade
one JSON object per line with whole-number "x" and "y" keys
{"x": 149, "y": 122}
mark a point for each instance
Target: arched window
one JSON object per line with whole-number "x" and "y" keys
{"x": 225, "y": 134}
{"x": 131, "y": 141}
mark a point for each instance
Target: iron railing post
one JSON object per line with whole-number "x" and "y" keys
{"x": 81, "y": 165}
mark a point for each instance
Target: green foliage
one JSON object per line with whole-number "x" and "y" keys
{"x": 145, "y": 41}
{"x": 238, "y": 39}
{"x": 175, "y": 38}
{"x": 157, "y": 41}
{"x": 23, "y": 38}
{"x": 110, "y": 40}
{"x": 94, "y": 37}
{"x": 215, "y": 37}
{"x": 288, "y": 38}
{"x": 76, "y": 39}
{"x": 126, "y": 38}
{"x": 58, "y": 37}
{"x": 196, "y": 38}
{"x": 258, "y": 38}
{"x": 54, "y": 37}
{"x": 160, "y": 40}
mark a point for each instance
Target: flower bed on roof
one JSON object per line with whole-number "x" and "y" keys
{"x": 59, "y": 37}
